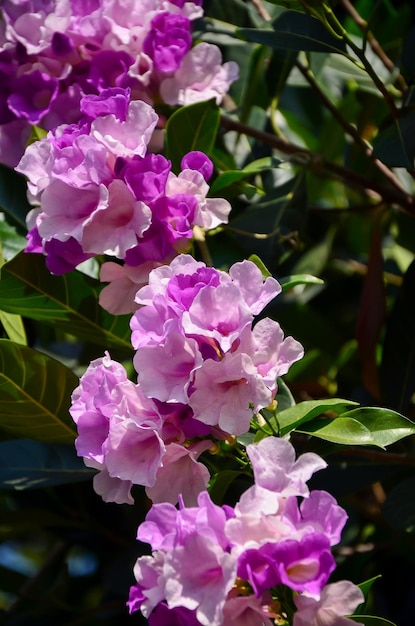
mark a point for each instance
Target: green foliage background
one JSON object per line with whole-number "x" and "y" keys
{"x": 314, "y": 147}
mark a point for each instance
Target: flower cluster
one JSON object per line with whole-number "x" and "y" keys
{"x": 100, "y": 191}
{"x": 203, "y": 372}
{"x": 268, "y": 558}
{"x": 55, "y": 51}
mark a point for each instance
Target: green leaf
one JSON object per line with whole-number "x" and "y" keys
{"x": 35, "y": 392}
{"x": 230, "y": 177}
{"x": 69, "y": 302}
{"x": 14, "y": 328}
{"x": 399, "y": 506}
{"x": 193, "y": 127}
{"x": 367, "y": 584}
{"x": 28, "y": 464}
{"x": 295, "y": 31}
{"x": 254, "y": 258}
{"x": 226, "y": 179}
{"x": 342, "y": 430}
{"x": 284, "y": 397}
{"x": 10, "y": 242}
{"x": 303, "y": 412}
{"x": 288, "y": 282}
{"x": 385, "y": 426}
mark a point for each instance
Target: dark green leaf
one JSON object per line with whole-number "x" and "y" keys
{"x": 369, "y": 620}
{"x": 398, "y": 357}
{"x": 367, "y": 584}
{"x": 294, "y": 416}
{"x": 284, "y": 397}
{"x": 220, "y": 483}
{"x": 395, "y": 144}
{"x": 13, "y": 199}
{"x": 193, "y": 127}
{"x": 28, "y": 464}
{"x": 69, "y": 302}
{"x": 295, "y": 31}
{"x": 399, "y": 506}
{"x": 35, "y": 392}
{"x": 10, "y": 580}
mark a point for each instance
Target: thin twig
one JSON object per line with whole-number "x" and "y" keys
{"x": 348, "y": 128}
{"x": 55, "y": 557}
{"x": 334, "y": 23}
{"x": 321, "y": 166}
{"x": 199, "y": 236}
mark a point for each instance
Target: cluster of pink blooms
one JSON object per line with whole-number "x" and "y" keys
{"x": 53, "y": 52}
{"x": 203, "y": 372}
{"x": 268, "y": 558}
{"x": 99, "y": 191}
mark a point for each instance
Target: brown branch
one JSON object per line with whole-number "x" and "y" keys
{"x": 321, "y": 166}
{"x": 388, "y": 458}
{"x": 262, "y": 12}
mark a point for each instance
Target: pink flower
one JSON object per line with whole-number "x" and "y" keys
{"x": 245, "y": 611}
{"x": 180, "y": 474}
{"x": 124, "y": 281}
{"x": 117, "y": 226}
{"x": 166, "y": 371}
{"x": 129, "y": 138}
{"x": 92, "y": 403}
{"x": 200, "y": 584}
{"x": 317, "y": 513}
{"x": 275, "y": 467}
{"x": 112, "y": 489}
{"x": 336, "y": 601}
{"x": 228, "y": 392}
{"x": 201, "y": 76}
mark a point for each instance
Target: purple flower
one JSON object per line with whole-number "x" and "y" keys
{"x": 90, "y": 402}
{"x": 179, "y": 616}
{"x": 113, "y": 101}
{"x": 303, "y": 565}
{"x": 258, "y": 568}
{"x": 198, "y": 161}
{"x": 168, "y": 41}
{"x": 146, "y": 177}
{"x": 32, "y": 95}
